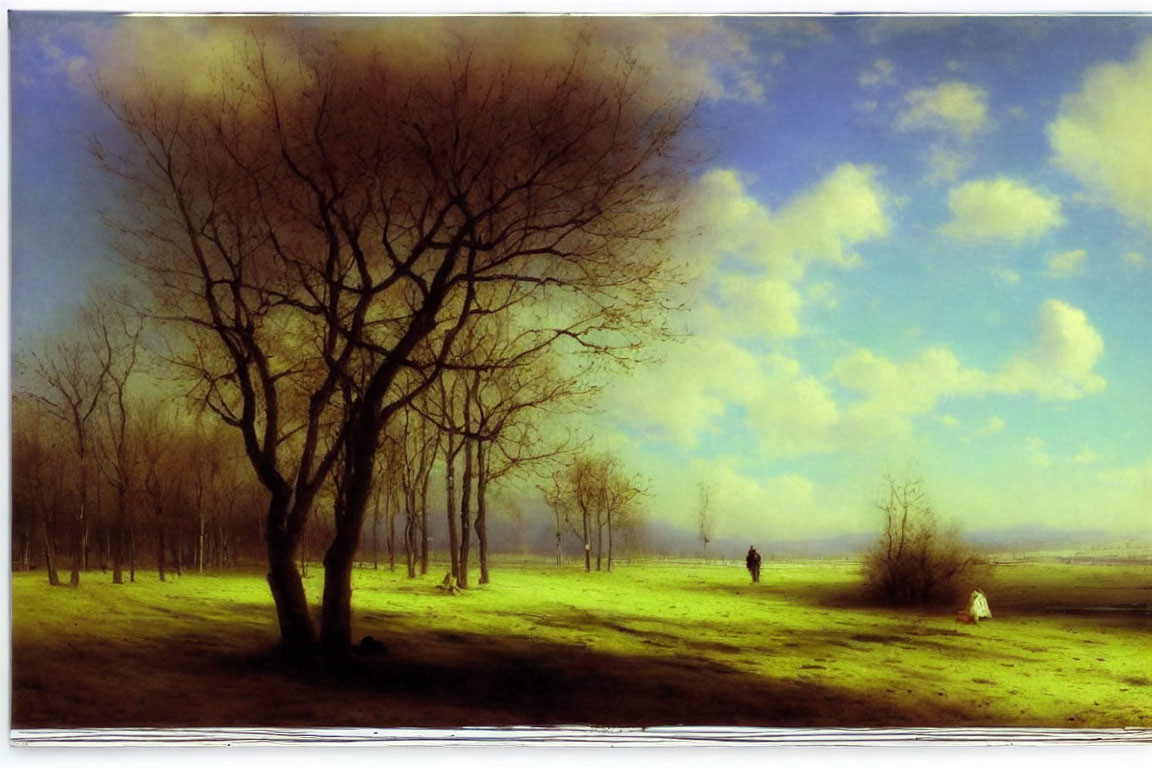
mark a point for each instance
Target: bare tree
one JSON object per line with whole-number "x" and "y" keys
{"x": 704, "y": 517}
{"x": 39, "y": 476}
{"x": 72, "y": 378}
{"x": 119, "y": 330}
{"x": 594, "y": 495}
{"x": 327, "y": 225}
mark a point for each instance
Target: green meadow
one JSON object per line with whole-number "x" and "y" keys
{"x": 650, "y": 643}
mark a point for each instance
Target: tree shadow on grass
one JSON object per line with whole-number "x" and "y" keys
{"x": 426, "y": 679}
{"x": 460, "y": 679}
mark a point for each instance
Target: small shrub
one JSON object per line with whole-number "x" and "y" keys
{"x": 915, "y": 562}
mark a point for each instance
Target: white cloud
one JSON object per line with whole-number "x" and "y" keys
{"x": 766, "y": 308}
{"x": 954, "y": 106}
{"x": 793, "y": 412}
{"x": 1059, "y": 366}
{"x": 1065, "y": 264}
{"x": 821, "y": 223}
{"x": 683, "y": 397}
{"x": 1001, "y": 209}
{"x": 1136, "y": 260}
{"x": 771, "y": 250}
{"x": 1101, "y": 134}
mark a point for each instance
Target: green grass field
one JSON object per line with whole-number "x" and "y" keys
{"x": 653, "y": 643}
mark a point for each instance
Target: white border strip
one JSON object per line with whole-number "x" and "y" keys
{"x": 574, "y": 736}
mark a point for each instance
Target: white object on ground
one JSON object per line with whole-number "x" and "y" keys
{"x": 978, "y": 607}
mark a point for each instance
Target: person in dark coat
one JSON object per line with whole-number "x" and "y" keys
{"x": 753, "y": 563}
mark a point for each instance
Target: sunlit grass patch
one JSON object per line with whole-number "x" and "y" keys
{"x": 649, "y": 643}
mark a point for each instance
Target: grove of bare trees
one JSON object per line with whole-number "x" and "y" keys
{"x": 343, "y": 252}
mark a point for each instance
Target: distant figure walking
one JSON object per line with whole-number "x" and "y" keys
{"x": 753, "y": 563}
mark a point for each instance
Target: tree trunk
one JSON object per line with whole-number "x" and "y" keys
{"x": 79, "y": 542}
{"x": 609, "y": 513}
{"x": 391, "y": 534}
{"x": 450, "y": 492}
{"x": 424, "y": 521}
{"x": 465, "y": 515}
{"x": 336, "y": 611}
{"x": 132, "y": 550}
{"x": 50, "y": 555}
{"x": 482, "y": 511}
{"x": 297, "y": 635}
{"x": 161, "y": 546}
{"x": 200, "y": 544}
{"x": 587, "y": 546}
{"x": 599, "y": 538}
{"x": 376, "y": 534}
{"x": 177, "y": 554}
{"x": 410, "y": 513}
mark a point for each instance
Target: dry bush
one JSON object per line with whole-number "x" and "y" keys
{"x": 915, "y": 561}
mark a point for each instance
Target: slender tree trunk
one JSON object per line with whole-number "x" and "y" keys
{"x": 424, "y": 521}
{"x": 482, "y": 510}
{"x": 599, "y": 538}
{"x": 609, "y": 513}
{"x": 587, "y": 546}
{"x": 132, "y": 549}
{"x": 450, "y": 492}
{"x": 178, "y": 553}
{"x": 465, "y": 516}
{"x": 559, "y": 537}
{"x": 391, "y": 533}
{"x": 200, "y": 543}
{"x": 410, "y": 525}
{"x": 161, "y": 545}
{"x": 376, "y": 534}
{"x": 79, "y": 542}
{"x": 50, "y": 554}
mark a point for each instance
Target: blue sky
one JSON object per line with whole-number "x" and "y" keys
{"x": 925, "y": 242}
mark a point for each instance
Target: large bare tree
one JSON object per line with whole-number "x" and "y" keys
{"x": 323, "y": 225}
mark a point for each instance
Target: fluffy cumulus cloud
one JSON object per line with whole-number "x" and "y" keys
{"x": 1101, "y": 134}
{"x": 1065, "y": 264}
{"x": 790, "y": 411}
{"x": 748, "y": 261}
{"x": 684, "y": 396}
{"x": 954, "y": 106}
{"x": 1060, "y": 364}
{"x": 821, "y": 223}
{"x": 890, "y": 392}
{"x": 1001, "y": 209}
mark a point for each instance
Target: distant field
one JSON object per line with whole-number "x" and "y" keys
{"x": 654, "y": 643}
